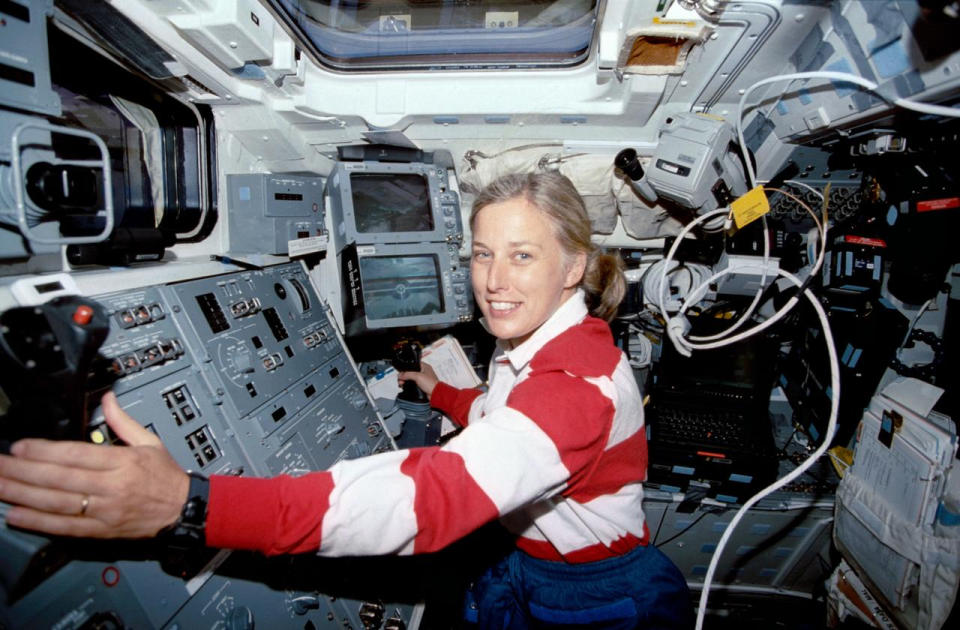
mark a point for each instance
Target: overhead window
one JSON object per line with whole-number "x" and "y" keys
{"x": 442, "y": 34}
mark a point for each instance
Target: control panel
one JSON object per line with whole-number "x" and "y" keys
{"x": 275, "y": 213}
{"x": 240, "y": 374}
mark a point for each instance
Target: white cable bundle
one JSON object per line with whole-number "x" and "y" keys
{"x": 673, "y": 280}
{"x": 641, "y": 350}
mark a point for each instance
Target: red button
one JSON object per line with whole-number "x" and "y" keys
{"x": 83, "y": 315}
{"x": 110, "y": 576}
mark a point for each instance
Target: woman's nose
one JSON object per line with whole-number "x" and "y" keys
{"x": 497, "y": 276}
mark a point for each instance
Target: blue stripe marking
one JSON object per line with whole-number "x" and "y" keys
{"x": 856, "y": 357}
{"x": 846, "y": 354}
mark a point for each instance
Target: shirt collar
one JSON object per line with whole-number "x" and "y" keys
{"x": 570, "y": 313}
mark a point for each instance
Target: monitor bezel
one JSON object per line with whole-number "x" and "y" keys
{"x": 355, "y": 318}
{"x": 343, "y": 214}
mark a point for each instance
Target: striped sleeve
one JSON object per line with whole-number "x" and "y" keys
{"x": 273, "y": 516}
{"x": 421, "y": 500}
{"x": 455, "y": 403}
{"x": 397, "y": 502}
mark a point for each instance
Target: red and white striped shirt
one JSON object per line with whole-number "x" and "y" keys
{"x": 556, "y": 449}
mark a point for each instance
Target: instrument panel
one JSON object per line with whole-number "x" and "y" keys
{"x": 238, "y": 374}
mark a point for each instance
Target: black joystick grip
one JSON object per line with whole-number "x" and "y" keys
{"x": 46, "y": 355}
{"x": 406, "y": 358}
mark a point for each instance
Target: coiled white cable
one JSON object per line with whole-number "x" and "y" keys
{"x": 656, "y": 279}
{"x": 685, "y": 345}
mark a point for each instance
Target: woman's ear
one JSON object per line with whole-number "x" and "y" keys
{"x": 575, "y": 270}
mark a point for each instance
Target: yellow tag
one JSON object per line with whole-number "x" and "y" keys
{"x": 841, "y": 458}
{"x": 750, "y": 207}
{"x": 660, "y": 20}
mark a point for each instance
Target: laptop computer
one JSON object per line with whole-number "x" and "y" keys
{"x": 708, "y": 419}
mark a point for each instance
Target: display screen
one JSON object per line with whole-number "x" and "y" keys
{"x": 743, "y": 365}
{"x": 384, "y": 203}
{"x": 401, "y": 286}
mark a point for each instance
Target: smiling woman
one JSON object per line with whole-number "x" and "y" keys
{"x": 520, "y": 274}
{"x": 547, "y": 213}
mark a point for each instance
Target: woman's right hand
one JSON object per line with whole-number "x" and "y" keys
{"x": 82, "y": 489}
{"x": 426, "y": 379}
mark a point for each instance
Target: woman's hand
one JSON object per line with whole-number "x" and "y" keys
{"x": 426, "y": 379}
{"x": 81, "y": 489}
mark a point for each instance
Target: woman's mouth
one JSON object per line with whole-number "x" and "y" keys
{"x": 502, "y": 308}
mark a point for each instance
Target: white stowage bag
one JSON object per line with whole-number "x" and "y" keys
{"x": 861, "y": 512}
{"x": 604, "y": 193}
{"x": 896, "y": 517}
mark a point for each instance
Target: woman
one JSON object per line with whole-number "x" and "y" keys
{"x": 555, "y": 449}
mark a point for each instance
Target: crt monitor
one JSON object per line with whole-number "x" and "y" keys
{"x": 396, "y": 286}
{"x": 390, "y": 202}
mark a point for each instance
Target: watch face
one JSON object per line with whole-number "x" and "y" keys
{"x": 190, "y": 529}
{"x": 195, "y": 509}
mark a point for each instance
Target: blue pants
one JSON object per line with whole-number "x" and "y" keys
{"x": 642, "y": 589}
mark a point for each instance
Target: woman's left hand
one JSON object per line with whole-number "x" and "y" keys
{"x": 82, "y": 489}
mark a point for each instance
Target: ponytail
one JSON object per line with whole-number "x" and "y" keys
{"x": 604, "y": 284}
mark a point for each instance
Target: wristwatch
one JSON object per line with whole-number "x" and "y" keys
{"x": 190, "y": 530}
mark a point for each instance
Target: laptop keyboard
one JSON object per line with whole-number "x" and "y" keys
{"x": 700, "y": 426}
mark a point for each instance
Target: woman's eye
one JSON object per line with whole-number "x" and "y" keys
{"x": 480, "y": 255}
{"x": 522, "y": 256}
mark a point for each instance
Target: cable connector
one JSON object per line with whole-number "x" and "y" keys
{"x": 745, "y": 275}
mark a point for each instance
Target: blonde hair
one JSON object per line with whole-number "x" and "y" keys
{"x": 557, "y": 198}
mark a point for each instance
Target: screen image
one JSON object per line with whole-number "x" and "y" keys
{"x": 384, "y": 202}
{"x": 741, "y": 366}
{"x": 400, "y": 286}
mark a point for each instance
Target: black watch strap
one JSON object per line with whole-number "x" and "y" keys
{"x": 190, "y": 530}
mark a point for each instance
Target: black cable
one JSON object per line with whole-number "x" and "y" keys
{"x": 688, "y": 527}
{"x": 783, "y": 450}
{"x": 663, "y": 517}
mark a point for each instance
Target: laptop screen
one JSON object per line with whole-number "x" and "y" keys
{"x": 744, "y": 370}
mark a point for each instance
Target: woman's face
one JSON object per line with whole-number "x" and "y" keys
{"x": 519, "y": 273}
